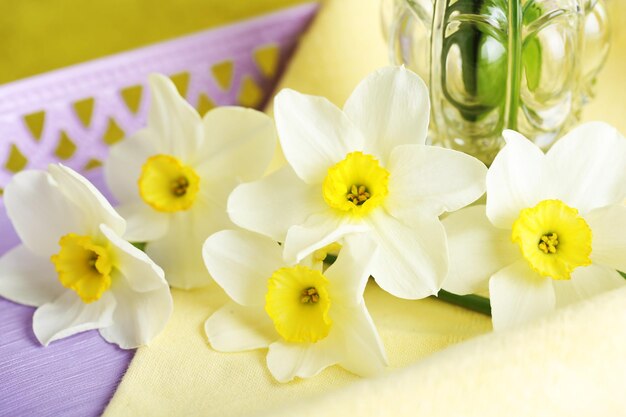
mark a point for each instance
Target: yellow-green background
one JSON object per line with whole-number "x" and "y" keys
{"x": 41, "y": 35}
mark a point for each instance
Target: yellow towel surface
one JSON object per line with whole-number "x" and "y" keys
{"x": 569, "y": 364}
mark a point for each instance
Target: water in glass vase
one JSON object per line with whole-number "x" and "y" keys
{"x": 491, "y": 65}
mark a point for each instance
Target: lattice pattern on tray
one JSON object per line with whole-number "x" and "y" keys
{"x": 73, "y": 115}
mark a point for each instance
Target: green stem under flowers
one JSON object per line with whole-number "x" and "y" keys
{"x": 474, "y": 302}
{"x": 471, "y": 302}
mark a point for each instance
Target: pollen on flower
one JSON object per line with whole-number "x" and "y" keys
{"x": 298, "y": 303}
{"x": 83, "y": 266}
{"x": 358, "y": 194}
{"x": 553, "y": 238}
{"x": 167, "y": 185}
{"x": 310, "y": 296}
{"x": 179, "y": 186}
{"x": 548, "y": 243}
{"x": 356, "y": 185}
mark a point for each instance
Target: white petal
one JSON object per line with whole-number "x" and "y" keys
{"x": 519, "y": 295}
{"x": 95, "y": 208}
{"x": 29, "y": 279}
{"x": 477, "y": 250}
{"x": 139, "y": 316}
{"x": 587, "y": 282}
{"x": 175, "y": 123}
{"x": 314, "y": 134}
{"x": 209, "y": 212}
{"x": 608, "y": 226}
{"x": 40, "y": 212}
{"x": 139, "y": 271}
{"x": 317, "y": 231}
{"x": 241, "y": 263}
{"x": 289, "y": 360}
{"x": 273, "y": 204}
{"x": 143, "y": 223}
{"x": 179, "y": 252}
{"x": 412, "y": 261}
{"x": 391, "y": 107}
{"x": 514, "y": 180}
{"x": 432, "y": 180}
{"x": 235, "y": 328}
{"x": 210, "y": 206}
{"x": 348, "y": 275}
{"x": 362, "y": 350}
{"x": 122, "y": 168}
{"x": 588, "y": 167}
{"x": 68, "y": 315}
{"x": 239, "y": 144}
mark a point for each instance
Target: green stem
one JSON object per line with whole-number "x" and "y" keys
{"x": 471, "y": 302}
{"x": 515, "y": 57}
{"x": 622, "y": 274}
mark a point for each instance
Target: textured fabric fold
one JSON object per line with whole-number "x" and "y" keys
{"x": 563, "y": 365}
{"x": 179, "y": 373}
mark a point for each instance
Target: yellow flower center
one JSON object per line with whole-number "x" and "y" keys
{"x": 83, "y": 266}
{"x": 167, "y": 185}
{"x": 310, "y": 296}
{"x": 553, "y": 238}
{"x": 297, "y": 301}
{"x": 356, "y": 185}
{"x": 549, "y": 243}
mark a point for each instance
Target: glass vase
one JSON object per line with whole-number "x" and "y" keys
{"x": 528, "y": 65}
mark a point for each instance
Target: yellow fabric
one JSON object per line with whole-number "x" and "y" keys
{"x": 570, "y": 364}
{"x": 180, "y": 375}
{"x": 575, "y": 357}
{"x": 38, "y": 36}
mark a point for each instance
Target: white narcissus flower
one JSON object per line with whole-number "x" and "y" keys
{"x": 554, "y": 228}
{"x": 309, "y": 319}
{"x": 364, "y": 169}
{"x": 74, "y": 265}
{"x": 173, "y": 178}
